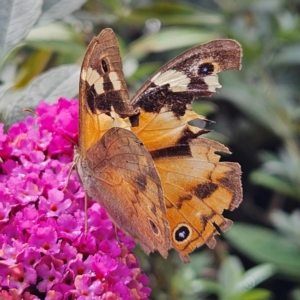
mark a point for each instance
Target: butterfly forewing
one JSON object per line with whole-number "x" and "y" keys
{"x": 191, "y": 74}
{"x": 102, "y": 91}
{"x": 165, "y": 99}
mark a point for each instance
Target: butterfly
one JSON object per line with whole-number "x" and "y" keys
{"x": 160, "y": 181}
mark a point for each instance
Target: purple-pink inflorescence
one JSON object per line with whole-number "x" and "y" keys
{"x": 44, "y": 250}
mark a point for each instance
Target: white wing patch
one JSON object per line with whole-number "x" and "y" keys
{"x": 178, "y": 81}
{"x": 212, "y": 82}
{"x": 99, "y": 88}
{"x": 92, "y": 76}
{"x": 114, "y": 78}
{"x": 83, "y": 74}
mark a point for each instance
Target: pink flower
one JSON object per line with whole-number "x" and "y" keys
{"x": 44, "y": 250}
{"x": 20, "y": 277}
{"x": 29, "y": 257}
{"x": 69, "y": 227}
{"x": 4, "y": 211}
{"x": 55, "y": 205}
{"x": 50, "y": 277}
{"x": 86, "y": 287}
{"x": 44, "y": 238}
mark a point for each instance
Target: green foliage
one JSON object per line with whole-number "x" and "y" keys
{"x": 288, "y": 225}
{"x": 265, "y": 245}
{"x": 232, "y": 282}
{"x": 256, "y": 112}
{"x": 29, "y": 43}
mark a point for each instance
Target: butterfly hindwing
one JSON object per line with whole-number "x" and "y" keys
{"x": 197, "y": 188}
{"x": 121, "y": 175}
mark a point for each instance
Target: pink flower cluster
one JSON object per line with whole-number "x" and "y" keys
{"x": 44, "y": 250}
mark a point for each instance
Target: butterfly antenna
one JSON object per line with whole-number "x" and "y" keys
{"x": 69, "y": 175}
{"x": 29, "y": 110}
{"x": 70, "y": 140}
{"x": 74, "y": 163}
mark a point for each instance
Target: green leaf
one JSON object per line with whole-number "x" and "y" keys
{"x": 229, "y": 274}
{"x": 186, "y": 281}
{"x": 288, "y": 55}
{"x": 281, "y": 172}
{"x": 288, "y": 224}
{"x": 265, "y": 102}
{"x": 174, "y": 13}
{"x": 50, "y": 86}
{"x": 265, "y": 245}
{"x": 56, "y": 37}
{"x": 3, "y": 89}
{"x": 58, "y": 9}
{"x": 295, "y": 295}
{"x": 199, "y": 286}
{"x": 16, "y": 19}
{"x": 204, "y": 108}
{"x": 254, "y": 277}
{"x": 141, "y": 73}
{"x": 169, "y": 38}
{"x": 265, "y": 179}
{"x": 219, "y": 137}
{"x": 255, "y": 5}
{"x": 32, "y": 67}
{"x": 256, "y": 294}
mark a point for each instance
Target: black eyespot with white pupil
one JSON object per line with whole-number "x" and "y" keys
{"x": 182, "y": 233}
{"x": 206, "y": 69}
{"x": 104, "y": 66}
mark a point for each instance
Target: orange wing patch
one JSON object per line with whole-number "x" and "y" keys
{"x": 164, "y": 129}
{"x": 197, "y": 188}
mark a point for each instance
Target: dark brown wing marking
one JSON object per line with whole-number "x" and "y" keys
{"x": 190, "y": 75}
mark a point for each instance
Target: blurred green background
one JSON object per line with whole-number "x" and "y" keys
{"x": 257, "y": 113}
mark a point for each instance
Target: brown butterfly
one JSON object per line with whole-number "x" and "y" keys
{"x": 158, "y": 179}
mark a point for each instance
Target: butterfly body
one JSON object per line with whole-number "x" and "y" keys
{"x": 158, "y": 179}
